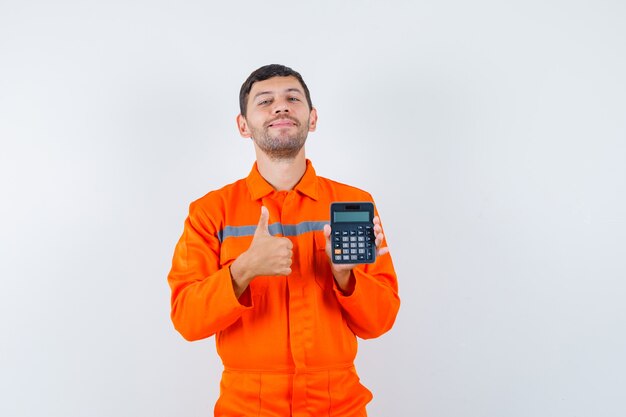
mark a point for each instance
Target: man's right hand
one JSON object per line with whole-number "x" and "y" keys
{"x": 267, "y": 255}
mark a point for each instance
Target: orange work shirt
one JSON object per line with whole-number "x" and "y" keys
{"x": 288, "y": 342}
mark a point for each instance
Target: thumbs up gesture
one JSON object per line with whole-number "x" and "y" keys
{"x": 267, "y": 255}
{"x": 273, "y": 254}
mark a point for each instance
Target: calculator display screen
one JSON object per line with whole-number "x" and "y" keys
{"x": 351, "y": 216}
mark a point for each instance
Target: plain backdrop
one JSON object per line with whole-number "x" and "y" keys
{"x": 491, "y": 134}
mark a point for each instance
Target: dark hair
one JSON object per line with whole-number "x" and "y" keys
{"x": 264, "y": 73}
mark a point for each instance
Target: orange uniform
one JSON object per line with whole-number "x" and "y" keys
{"x": 289, "y": 342}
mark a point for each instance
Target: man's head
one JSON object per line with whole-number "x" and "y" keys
{"x": 264, "y": 73}
{"x": 276, "y": 112}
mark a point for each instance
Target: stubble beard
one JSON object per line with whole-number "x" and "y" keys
{"x": 281, "y": 146}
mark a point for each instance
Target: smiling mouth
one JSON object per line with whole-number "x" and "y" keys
{"x": 282, "y": 123}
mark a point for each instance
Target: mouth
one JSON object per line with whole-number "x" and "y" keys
{"x": 282, "y": 123}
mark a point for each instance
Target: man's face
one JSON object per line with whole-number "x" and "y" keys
{"x": 278, "y": 117}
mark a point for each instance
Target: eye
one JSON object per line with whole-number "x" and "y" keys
{"x": 264, "y": 102}
{"x": 294, "y": 99}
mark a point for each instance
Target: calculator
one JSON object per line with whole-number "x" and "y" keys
{"x": 352, "y": 233}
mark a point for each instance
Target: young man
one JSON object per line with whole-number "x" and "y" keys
{"x": 253, "y": 268}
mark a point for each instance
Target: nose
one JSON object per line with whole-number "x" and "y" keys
{"x": 281, "y": 106}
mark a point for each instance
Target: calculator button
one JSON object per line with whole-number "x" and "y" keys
{"x": 338, "y": 257}
{"x": 353, "y": 238}
{"x": 346, "y": 257}
{"x": 353, "y": 245}
{"x": 352, "y": 232}
{"x": 353, "y": 251}
{"x": 345, "y": 238}
{"x": 361, "y": 238}
{"x": 345, "y": 233}
{"x": 361, "y": 251}
{"x": 361, "y": 244}
{"x": 337, "y": 251}
{"x": 353, "y": 257}
{"x": 361, "y": 257}
{"x": 337, "y": 245}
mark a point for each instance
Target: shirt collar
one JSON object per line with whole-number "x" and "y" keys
{"x": 259, "y": 187}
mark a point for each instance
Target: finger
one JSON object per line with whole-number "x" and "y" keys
{"x": 262, "y": 227}
{"x": 327, "y": 233}
{"x": 379, "y": 239}
{"x": 376, "y": 220}
{"x": 382, "y": 251}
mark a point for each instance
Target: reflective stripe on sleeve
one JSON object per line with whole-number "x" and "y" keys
{"x": 287, "y": 230}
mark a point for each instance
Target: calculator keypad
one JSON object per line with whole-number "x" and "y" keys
{"x": 354, "y": 244}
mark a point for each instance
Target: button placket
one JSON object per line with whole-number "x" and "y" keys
{"x": 300, "y": 315}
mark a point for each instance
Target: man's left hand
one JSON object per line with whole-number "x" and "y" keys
{"x": 342, "y": 272}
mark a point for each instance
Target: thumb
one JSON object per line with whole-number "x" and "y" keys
{"x": 263, "y": 228}
{"x": 327, "y": 231}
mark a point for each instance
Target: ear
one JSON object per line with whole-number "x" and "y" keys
{"x": 242, "y": 125}
{"x": 313, "y": 120}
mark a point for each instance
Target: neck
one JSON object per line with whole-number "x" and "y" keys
{"x": 282, "y": 174}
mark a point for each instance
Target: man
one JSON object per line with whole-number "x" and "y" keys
{"x": 253, "y": 268}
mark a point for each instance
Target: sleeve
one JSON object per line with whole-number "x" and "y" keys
{"x": 371, "y": 309}
{"x": 203, "y": 301}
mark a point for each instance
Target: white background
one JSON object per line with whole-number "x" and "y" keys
{"x": 491, "y": 134}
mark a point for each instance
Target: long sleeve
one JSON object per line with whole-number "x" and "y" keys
{"x": 203, "y": 301}
{"x": 372, "y": 307}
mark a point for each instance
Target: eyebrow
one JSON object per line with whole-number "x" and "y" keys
{"x": 288, "y": 90}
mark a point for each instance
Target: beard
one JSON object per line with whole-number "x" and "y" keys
{"x": 282, "y": 145}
